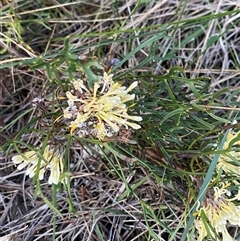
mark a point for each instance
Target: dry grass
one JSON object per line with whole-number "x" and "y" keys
{"x": 117, "y": 199}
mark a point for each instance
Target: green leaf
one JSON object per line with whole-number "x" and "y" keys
{"x": 179, "y": 111}
{"x": 54, "y": 209}
{"x": 212, "y": 40}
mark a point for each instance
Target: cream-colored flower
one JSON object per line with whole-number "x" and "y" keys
{"x": 107, "y": 80}
{"x": 71, "y": 98}
{"x": 79, "y": 85}
{"x": 103, "y": 109}
{"x": 56, "y": 167}
{"x": 50, "y": 159}
{"x": 227, "y": 161}
{"x": 101, "y": 130}
{"x": 219, "y": 210}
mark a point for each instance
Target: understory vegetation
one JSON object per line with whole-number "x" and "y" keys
{"x": 119, "y": 120}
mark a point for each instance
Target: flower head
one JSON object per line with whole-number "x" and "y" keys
{"x": 50, "y": 159}
{"x": 219, "y": 210}
{"x": 226, "y": 160}
{"x": 101, "y": 111}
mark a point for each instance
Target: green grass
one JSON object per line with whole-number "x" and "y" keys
{"x": 142, "y": 184}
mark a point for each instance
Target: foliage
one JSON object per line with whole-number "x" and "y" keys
{"x": 135, "y": 183}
